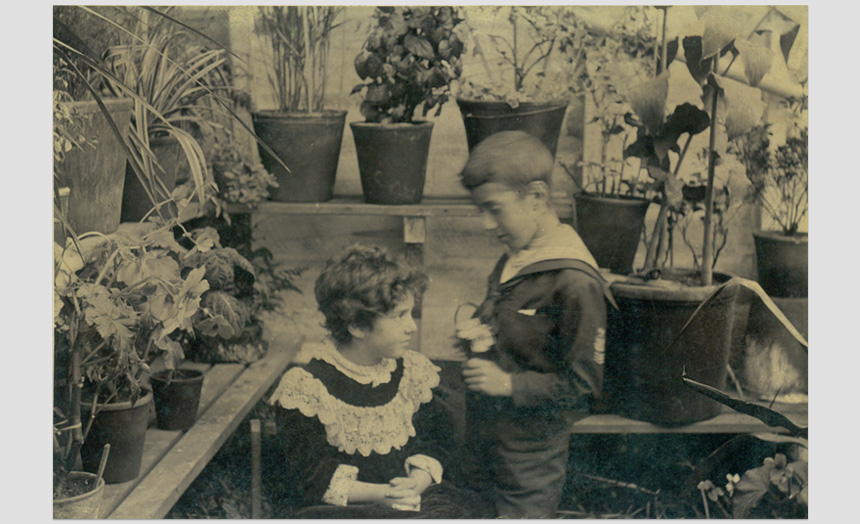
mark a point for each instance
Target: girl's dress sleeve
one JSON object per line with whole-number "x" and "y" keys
{"x": 315, "y": 475}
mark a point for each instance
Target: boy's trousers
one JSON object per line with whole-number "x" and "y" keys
{"x": 518, "y": 458}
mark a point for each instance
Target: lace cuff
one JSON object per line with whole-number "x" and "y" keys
{"x": 428, "y": 464}
{"x": 338, "y": 489}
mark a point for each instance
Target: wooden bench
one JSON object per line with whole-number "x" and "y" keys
{"x": 173, "y": 459}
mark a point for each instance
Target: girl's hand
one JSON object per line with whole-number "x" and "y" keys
{"x": 484, "y": 376}
{"x": 402, "y": 494}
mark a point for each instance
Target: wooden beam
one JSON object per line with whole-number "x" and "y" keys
{"x": 158, "y": 442}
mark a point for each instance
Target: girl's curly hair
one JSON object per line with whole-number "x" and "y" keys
{"x": 361, "y": 284}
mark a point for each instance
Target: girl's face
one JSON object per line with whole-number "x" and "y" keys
{"x": 508, "y": 213}
{"x": 392, "y": 333}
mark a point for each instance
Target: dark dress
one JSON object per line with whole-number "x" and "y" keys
{"x": 340, "y": 422}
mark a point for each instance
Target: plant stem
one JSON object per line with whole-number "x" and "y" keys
{"x": 707, "y": 248}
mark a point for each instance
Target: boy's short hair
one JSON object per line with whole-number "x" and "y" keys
{"x": 513, "y": 158}
{"x": 361, "y": 284}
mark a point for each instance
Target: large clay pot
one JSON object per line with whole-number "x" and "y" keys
{"x": 484, "y": 118}
{"x": 123, "y": 426}
{"x": 85, "y": 505}
{"x": 309, "y": 145}
{"x": 783, "y": 263}
{"x": 95, "y": 172}
{"x": 646, "y": 358}
{"x": 392, "y": 160}
{"x": 611, "y": 228}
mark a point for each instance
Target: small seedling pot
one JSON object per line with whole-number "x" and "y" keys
{"x": 177, "y": 399}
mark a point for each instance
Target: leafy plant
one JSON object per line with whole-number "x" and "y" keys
{"x": 410, "y": 58}
{"x": 119, "y": 300}
{"x": 516, "y": 62}
{"x": 176, "y": 88}
{"x": 780, "y": 179}
{"x": 239, "y": 180}
{"x": 617, "y": 58}
{"x": 299, "y": 37}
{"x": 728, "y": 105}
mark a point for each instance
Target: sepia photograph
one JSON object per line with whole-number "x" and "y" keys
{"x": 430, "y": 262}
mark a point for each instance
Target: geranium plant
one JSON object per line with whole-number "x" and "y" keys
{"x": 119, "y": 300}
{"x": 409, "y": 59}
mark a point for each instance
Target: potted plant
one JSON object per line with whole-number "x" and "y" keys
{"x": 300, "y": 132}
{"x": 170, "y": 80}
{"x": 518, "y": 90}
{"x": 88, "y": 157}
{"x": 641, "y": 375}
{"x": 410, "y": 58}
{"x": 780, "y": 186}
{"x": 118, "y": 300}
{"x": 612, "y": 197}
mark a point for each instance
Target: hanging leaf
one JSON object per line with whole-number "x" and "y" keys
{"x": 418, "y": 46}
{"x": 671, "y": 52}
{"x": 698, "y": 68}
{"x": 686, "y": 118}
{"x": 757, "y": 60}
{"x": 722, "y": 26}
{"x": 743, "y": 106}
{"x": 648, "y": 100}
{"x": 781, "y": 25}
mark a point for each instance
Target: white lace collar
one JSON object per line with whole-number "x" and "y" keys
{"x": 374, "y": 375}
{"x": 375, "y": 429}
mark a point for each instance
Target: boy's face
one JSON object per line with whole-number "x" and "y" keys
{"x": 392, "y": 333}
{"x": 510, "y": 214}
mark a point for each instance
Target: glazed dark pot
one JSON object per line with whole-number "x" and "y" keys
{"x": 646, "y": 358}
{"x": 611, "y": 228}
{"x": 123, "y": 426}
{"x": 309, "y": 145}
{"x": 170, "y": 156}
{"x": 783, "y": 263}
{"x": 484, "y": 118}
{"x": 177, "y": 398}
{"x": 392, "y": 160}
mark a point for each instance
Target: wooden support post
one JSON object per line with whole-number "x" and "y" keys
{"x": 414, "y": 236}
{"x": 256, "y": 473}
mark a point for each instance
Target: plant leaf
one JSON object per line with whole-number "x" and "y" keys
{"x": 749, "y": 491}
{"x": 780, "y": 24}
{"x": 757, "y": 60}
{"x": 418, "y": 46}
{"x": 744, "y": 106}
{"x": 697, "y": 67}
{"x": 648, "y": 100}
{"x": 722, "y": 26}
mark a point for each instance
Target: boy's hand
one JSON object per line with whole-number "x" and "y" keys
{"x": 477, "y": 333}
{"x": 483, "y": 376}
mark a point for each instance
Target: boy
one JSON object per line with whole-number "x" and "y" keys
{"x": 543, "y": 321}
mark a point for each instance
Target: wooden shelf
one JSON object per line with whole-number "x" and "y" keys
{"x": 728, "y": 421}
{"x": 429, "y": 207}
